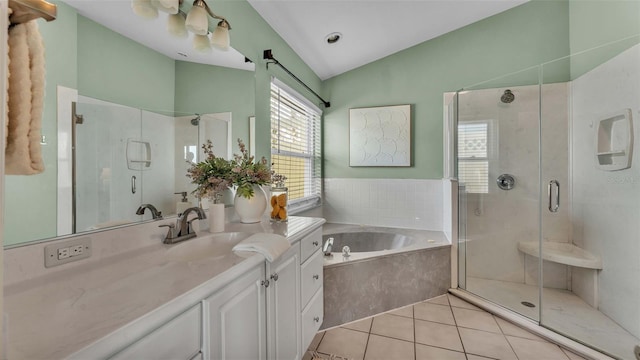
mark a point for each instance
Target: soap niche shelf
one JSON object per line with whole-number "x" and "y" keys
{"x": 614, "y": 141}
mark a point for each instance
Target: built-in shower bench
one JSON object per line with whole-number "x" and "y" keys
{"x": 562, "y": 253}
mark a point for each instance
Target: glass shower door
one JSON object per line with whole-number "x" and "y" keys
{"x": 498, "y": 168}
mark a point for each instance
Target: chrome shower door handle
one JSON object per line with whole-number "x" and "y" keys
{"x": 133, "y": 184}
{"x": 554, "y": 206}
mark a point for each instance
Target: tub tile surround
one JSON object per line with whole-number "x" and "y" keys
{"x": 403, "y": 334}
{"x": 371, "y": 286}
{"x": 398, "y": 203}
{"x": 605, "y": 203}
{"x": 54, "y": 312}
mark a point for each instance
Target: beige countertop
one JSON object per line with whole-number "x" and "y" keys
{"x": 61, "y": 310}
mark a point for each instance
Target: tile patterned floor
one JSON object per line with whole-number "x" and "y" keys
{"x": 442, "y": 328}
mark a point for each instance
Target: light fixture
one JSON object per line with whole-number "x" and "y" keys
{"x": 220, "y": 36}
{"x": 144, "y": 9}
{"x": 333, "y": 38}
{"x": 176, "y": 26}
{"x": 168, "y": 6}
{"x": 196, "y": 21}
{"x": 201, "y": 43}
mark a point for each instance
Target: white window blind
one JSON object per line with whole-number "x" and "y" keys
{"x": 473, "y": 156}
{"x": 296, "y": 147}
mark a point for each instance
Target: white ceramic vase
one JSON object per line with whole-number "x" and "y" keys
{"x": 216, "y": 218}
{"x": 251, "y": 210}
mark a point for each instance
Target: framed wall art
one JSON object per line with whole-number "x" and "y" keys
{"x": 380, "y": 136}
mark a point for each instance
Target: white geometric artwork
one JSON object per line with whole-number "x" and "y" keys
{"x": 380, "y": 136}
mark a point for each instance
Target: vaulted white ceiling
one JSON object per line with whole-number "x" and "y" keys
{"x": 371, "y": 29}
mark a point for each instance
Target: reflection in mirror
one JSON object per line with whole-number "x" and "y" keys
{"x": 139, "y": 125}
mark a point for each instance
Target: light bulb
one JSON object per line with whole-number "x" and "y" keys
{"x": 201, "y": 43}
{"x": 168, "y": 6}
{"x": 220, "y": 37}
{"x": 175, "y": 26}
{"x": 197, "y": 20}
{"x": 144, "y": 9}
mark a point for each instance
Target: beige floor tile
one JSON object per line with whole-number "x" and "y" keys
{"x": 398, "y": 327}
{"x": 424, "y": 352}
{"x": 477, "y": 357}
{"x": 473, "y": 319}
{"x": 361, "y": 325}
{"x": 406, "y": 311}
{"x": 572, "y": 355}
{"x": 527, "y": 349}
{"x": 457, "y": 302}
{"x": 436, "y": 334}
{"x": 441, "y": 300}
{"x": 514, "y": 330}
{"x": 316, "y": 341}
{"x": 433, "y": 312}
{"x": 385, "y": 348}
{"x": 344, "y": 342}
{"x": 486, "y": 344}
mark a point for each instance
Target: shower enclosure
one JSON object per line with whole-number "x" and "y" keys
{"x": 549, "y": 203}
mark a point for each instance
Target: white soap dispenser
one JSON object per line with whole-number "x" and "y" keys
{"x": 183, "y": 204}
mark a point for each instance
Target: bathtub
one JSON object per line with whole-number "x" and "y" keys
{"x": 387, "y": 268}
{"x": 369, "y": 242}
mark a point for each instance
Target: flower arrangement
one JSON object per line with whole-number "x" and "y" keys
{"x": 214, "y": 174}
{"x": 245, "y": 172}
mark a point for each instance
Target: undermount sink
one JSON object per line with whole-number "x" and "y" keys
{"x": 213, "y": 245}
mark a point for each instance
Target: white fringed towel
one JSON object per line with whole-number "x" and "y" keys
{"x": 271, "y": 246}
{"x": 25, "y": 100}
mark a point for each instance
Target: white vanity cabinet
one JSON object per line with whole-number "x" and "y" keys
{"x": 311, "y": 286}
{"x": 236, "y": 318}
{"x": 283, "y": 306}
{"x": 180, "y": 338}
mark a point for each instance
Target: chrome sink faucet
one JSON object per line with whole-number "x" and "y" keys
{"x": 154, "y": 212}
{"x": 183, "y": 230}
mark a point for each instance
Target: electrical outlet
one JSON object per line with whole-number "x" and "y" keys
{"x": 62, "y": 252}
{"x": 76, "y": 250}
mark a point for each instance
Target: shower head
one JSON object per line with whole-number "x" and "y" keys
{"x": 196, "y": 120}
{"x": 507, "y": 97}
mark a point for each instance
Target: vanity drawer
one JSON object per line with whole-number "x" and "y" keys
{"x": 312, "y": 317}
{"x": 177, "y": 339}
{"x": 311, "y": 276}
{"x": 310, "y": 243}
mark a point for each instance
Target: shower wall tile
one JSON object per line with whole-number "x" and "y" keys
{"x": 605, "y": 209}
{"x": 403, "y": 203}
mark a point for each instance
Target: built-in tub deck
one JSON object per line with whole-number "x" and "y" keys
{"x": 415, "y": 267}
{"x": 414, "y": 240}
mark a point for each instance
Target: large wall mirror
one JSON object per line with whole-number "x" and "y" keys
{"x": 126, "y": 107}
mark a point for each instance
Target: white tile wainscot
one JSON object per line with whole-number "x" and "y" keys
{"x": 117, "y": 302}
{"x": 400, "y": 203}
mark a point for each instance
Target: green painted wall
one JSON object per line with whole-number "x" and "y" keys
{"x": 119, "y": 70}
{"x": 207, "y": 89}
{"x": 525, "y": 36}
{"x": 29, "y": 198}
{"x": 601, "y": 29}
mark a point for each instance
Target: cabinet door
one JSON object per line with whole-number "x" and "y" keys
{"x": 283, "y": 304}
{"x": 237, "y": 319}
{"x": 177, "y": 339}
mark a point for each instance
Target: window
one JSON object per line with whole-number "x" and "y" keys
{"x": 296, "y": 146}
{"x": 473, "y": 156}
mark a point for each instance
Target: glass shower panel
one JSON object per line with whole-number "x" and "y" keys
{"x": 592, "y": 294}
{"x": 497, "y": 164}
{"x": 108, "y": 158}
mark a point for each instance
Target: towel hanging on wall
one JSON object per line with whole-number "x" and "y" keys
{"x": 23, "y": 155}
